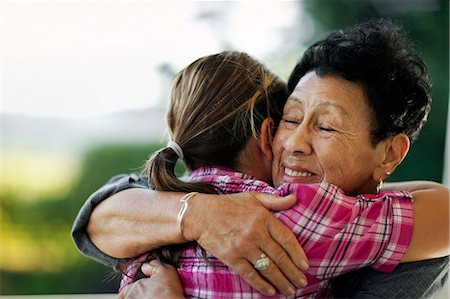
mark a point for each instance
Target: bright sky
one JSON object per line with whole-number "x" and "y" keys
{"x": 84, "y": 58}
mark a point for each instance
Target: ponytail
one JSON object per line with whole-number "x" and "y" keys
{"x": 161, "y": 174}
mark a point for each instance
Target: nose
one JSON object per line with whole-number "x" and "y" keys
{"x": 300, "y": 141}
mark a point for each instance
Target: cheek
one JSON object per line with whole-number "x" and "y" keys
{"x": 337, "y": 161}
{"x": 332, "y": 164}
{"x": 277, "y": 145}
{"x": 277, "y": 150}
{"x": 347, "y": 166}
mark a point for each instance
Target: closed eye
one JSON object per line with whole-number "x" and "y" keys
{"x": 326, "y": 129}
{"x": 290, "y": 124}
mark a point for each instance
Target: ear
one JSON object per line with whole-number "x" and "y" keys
{"x": 393, "y": 151}
{"x": 266, "y": 137}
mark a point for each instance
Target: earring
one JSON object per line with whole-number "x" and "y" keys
{"x": 380, "y": 183}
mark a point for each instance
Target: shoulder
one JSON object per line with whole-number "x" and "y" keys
{"x": 388, "y": 195}
{"x": 233, "y": 182}
{"x": 319, "y": 191}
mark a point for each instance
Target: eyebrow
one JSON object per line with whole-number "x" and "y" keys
{"x": 337, "y": 106}
{"x": 321, "y": 104}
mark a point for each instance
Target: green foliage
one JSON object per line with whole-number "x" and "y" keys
{"x": 102, "y": 163}
{"x": 52, "y": 220}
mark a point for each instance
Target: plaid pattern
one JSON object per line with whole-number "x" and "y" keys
{"x": 339, "y": 233}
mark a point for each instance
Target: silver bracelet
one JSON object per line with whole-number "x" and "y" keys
{"x": 183, "y": 209}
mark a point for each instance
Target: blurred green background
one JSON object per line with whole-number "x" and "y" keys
{"x": 41, "y": 191}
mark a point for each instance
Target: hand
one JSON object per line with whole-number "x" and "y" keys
{"x": 238, "y": 228}
{"x": 163, "y": 282}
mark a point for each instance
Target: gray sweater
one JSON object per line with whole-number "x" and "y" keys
{"x": 79, "y": 233}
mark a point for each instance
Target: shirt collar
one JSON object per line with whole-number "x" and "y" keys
{"x": 220, "y": 171}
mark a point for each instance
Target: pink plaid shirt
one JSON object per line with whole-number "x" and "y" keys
{"x": 339, "y": 233}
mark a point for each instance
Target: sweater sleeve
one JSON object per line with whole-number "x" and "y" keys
{"x": 79, "y": 233}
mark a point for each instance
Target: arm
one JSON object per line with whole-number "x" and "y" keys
{"x": 79, "y": 233}
{"x": 430, "y": 237}
{"x": 410, "y": 186}
{"x": 376, "y": 234}
{"x": 135, "y": 220}
{"x": 419, "y": 279}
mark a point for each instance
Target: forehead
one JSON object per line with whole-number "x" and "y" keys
{"x": 330, "y": 91}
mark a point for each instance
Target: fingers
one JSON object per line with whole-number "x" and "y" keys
{"x": 240, "y": 243}
{"x": 283, "y": 282}
{"x": 124, "y": 292}
{"x": 285, "y": 268}
{"x": 150, "y": 268}
{"x": 276, "y": 277}
{"x": 276, "y": 203}
{"x": 163, "y": 282}
{"x": 286, "y": 254}
{"x": 159, "y": 271}
{"x": 136, "y": 290}
{"x": 253, "y": 278}
{"x": 289, "y": 244}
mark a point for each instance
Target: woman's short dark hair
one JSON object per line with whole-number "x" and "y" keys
{"x": 378, "y": 54}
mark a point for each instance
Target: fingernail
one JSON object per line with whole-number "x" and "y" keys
{"x": 304, "y": 265}
{"x": 154, "y": 263}
{"x": 270, "y": 292}
{"x": 291, "y": 291}
{"x": 146, "y": 267}
{"x": 303, "y": 282}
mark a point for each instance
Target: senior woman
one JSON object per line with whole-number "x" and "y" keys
{"x": 359, "y": 98}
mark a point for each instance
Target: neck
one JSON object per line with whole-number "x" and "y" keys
{"x": 251, "y": 161}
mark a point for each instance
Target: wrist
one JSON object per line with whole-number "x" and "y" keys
{"x": 185, "y": 206}
{"x": 193, "y": 221}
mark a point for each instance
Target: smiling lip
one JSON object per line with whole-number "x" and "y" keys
{"x": 295, "y": 173}
{"x": 300, "y": 176}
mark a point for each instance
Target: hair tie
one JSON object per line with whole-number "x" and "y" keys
{"x": 176, "y": 148}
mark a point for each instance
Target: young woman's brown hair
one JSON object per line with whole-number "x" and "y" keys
{"x": 217, "y": 104}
